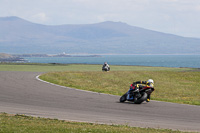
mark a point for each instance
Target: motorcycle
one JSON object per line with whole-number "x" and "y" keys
{"x": 105, "y": 68}
{"x": 138, "y": 95}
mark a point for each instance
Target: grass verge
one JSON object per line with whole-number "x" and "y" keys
{"x": 170, "y": 86}
{"x": 23, "y": 124}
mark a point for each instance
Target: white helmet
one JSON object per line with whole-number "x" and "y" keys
{"x": 150, "y": 81}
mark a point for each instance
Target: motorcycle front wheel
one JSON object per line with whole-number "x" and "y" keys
{"x": 123, "y": 98}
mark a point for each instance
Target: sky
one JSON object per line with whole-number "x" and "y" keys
{"x": 179, "y": 17}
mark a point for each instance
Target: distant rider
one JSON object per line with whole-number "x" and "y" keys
{"x": 106, "y": 67}
{"x": 135, "y": 87}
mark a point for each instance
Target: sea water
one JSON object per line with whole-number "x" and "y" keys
{"x": 192, "y": 61}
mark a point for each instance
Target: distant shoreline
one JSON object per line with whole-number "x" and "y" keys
{"x": 20, "y": 57}
{"x": 54, "y": 55}
{"x": 12, "y": 59}
{"x": 191, "y": 61}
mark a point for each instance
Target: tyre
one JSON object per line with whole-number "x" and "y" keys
{"x": 141, "y": 99}
{"x": 123, "y": 98}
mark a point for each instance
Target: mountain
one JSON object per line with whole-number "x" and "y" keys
{"x": 20, "y": 36}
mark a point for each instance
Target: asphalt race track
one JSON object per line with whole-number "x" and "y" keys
{"x": 22, "y": 93}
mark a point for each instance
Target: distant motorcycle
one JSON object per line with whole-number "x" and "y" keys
{"x": 138, "y": 95}
{"x": 105, "y": 67}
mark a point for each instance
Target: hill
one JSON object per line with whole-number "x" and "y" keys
{"x": 20, "y": 36}
{"x": 4, "y": 55}
{"x": 10, "y": 58}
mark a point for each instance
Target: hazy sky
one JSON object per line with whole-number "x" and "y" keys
{"x": 180, "y": 17}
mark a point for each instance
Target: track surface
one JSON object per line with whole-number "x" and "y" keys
{"x": 22, "y": 93}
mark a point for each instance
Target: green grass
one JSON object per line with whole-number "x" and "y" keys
{"x": 43, "y": 67}
{"x": 170, "y": 86}
{"x": 27, "y": 124}
{"x": 36, "y": 67}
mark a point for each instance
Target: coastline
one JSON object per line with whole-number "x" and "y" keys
{"x": 188, "y": 61}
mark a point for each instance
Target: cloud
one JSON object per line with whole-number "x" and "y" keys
{"x": 197, "y": 8}
{"x": 39, "y": 17}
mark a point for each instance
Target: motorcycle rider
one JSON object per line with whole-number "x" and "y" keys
{"x": 135, "y": 88}
{"x": 106, "y": 67}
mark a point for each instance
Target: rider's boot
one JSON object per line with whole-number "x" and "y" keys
{"x": 148, "y": 98}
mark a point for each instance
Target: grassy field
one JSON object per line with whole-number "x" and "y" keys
{"x": 34, "y": 67}
{"x": 28, "y": 124}
{"x": 44, "y": 67}
{"x": 170, "y": 85}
